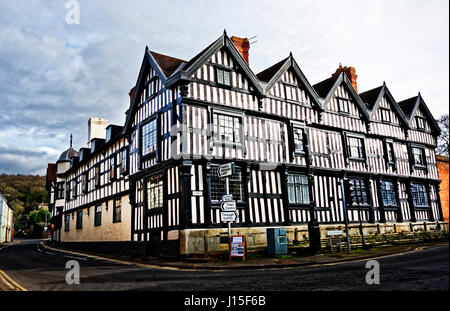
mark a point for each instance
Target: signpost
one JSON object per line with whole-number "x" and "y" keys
{"x": 228, "y": 205}
{"x": 335, "y": 233}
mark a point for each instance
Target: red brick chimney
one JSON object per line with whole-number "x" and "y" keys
{"x": 131, "y": 93}
{"x": 242, "y": 45}
{"x": 350, "y": 72}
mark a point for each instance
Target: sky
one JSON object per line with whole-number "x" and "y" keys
{"x": 55, "y": 75}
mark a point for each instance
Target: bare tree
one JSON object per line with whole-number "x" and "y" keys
{"x": 442, "y": 147}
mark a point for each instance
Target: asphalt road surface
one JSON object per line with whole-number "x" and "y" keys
{"x": 39, "y": 269}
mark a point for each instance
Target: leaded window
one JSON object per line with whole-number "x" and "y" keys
{"x": 360, "y": 193}
{"x": 388, "y": 193}
{"x": 227, "y": 128}
{"x": 149, "y": 137}
{"x": 390, "y": 152}
{"x": 356, "y": 147}
{"x": 155, "y": 192}
{"x": 123, "y": 161}
{"x": 223, "y": 77}
{"x": 419, "y": 195}
{"x": 298, "y": 192}
{"x": 218, "y": 185}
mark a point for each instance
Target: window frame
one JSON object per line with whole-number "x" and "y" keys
{"x": 296, "y": 127}
{"x": 66, "y": 222}
{"x": 79, "y": 221}
{"x": 98, "y": 215}
{"x": 97, "y": 175}
{"x": 112, "y": 167}
{"x": 153, "y": 153}
{"x": 224, "y": 70}
{"x": 343, "y": 100}
{"x": 418, "y": 125}
{"x": 215, "y": 133}
{"x": 422, "y": 165}
{"x": 60, "y": 191}
{"x": 75, "y": 188}
{"x": 349, "y": 136}
{"x": 115, "y": 208}
{"x": 210, "y": 175}
{"x": 367, "y": 189}
{"x": 85, "y": 182}
{"x": 425, "y": 195}
{"x": 382, "y": 113}
{"x": 123, "y": 171}
{"x": 302, "y": 186}
{"x": 394, "y": 190}
{"x": 160, "y": 179}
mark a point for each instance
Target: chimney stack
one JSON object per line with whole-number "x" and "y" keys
{"x": 96, "y": 128}
{"x": 131, "y": 93}
{"x": 350, "y": 72}
{"x": 242, "y": 45}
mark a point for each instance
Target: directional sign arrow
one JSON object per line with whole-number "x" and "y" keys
{"x": 228, "y": 216}
{"x": 228, "y": 206}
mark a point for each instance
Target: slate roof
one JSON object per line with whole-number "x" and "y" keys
{"x": 408, "y": 105}
{"x": 68, "y": 154}
{"x": 268, "y": 73}
{"x": 369, "y": 97}
{"x": 167, "y": 64}
{"x": 324, "y": 87}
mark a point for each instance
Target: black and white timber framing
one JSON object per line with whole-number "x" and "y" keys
{"x": 184, "y": 99}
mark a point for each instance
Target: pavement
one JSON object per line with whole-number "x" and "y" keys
{"x": 29, "y": 265}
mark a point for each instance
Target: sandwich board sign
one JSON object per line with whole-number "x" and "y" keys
{"x": 226, "y": 170}
{"x": 237, "y": 246}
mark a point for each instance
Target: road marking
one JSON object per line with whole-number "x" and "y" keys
{"x": 74, "y": 257}
{"x": 10, "y": 282}
{"x": 128, "y": 263}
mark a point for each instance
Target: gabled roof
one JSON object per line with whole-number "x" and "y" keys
{"x": 372, "y": 99}
{"x": 267, "y": 74}
{"x": 222, "y": 42}
{"x": 167, "y": 64}
{"x": 274, "y": 73}
{"x": 409, "y": 107}
{"x": 326, "y": 89}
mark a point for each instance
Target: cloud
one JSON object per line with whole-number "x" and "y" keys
{"x": 54, "y": 76}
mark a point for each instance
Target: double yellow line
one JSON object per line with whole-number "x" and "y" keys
{"x": 10, "y": 282}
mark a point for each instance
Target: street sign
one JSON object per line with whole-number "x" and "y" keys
{"x": 335, "y": 232}
{"x": 227, "y": 197}
{"x": 228, "y": 216}
{"x": 228, "y": 206}
{"x": 226, "y": 170}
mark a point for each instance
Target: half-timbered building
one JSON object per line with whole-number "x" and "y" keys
{"x": 292, "y": 145}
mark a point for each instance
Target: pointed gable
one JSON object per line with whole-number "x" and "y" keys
{"x": 286, "y": 80}
{"x": 217, "y": 51}
{"x": 382, "y": 106}
{"x": 338, "y": 89}
{"x": 167, "y": 64}
{"x": 419, "y": 115}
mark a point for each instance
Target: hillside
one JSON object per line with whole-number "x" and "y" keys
{"x": 23, "y": 192}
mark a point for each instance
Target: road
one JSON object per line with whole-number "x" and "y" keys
{"x": 39, "y": 269}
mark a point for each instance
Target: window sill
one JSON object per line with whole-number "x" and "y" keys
{"x": 148, "y": 156}
{"x": 357, "y": 159}
{"x": 228, "y": 144}
{"x": 117, "y": 221}
{"x": 420, "y": 167}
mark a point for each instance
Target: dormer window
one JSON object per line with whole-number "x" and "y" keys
{"x": 385, "y": 115}
{"x": 108, "y": 134}
{"x": 223, "y": 77}
{"x": 420, "y": 123}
